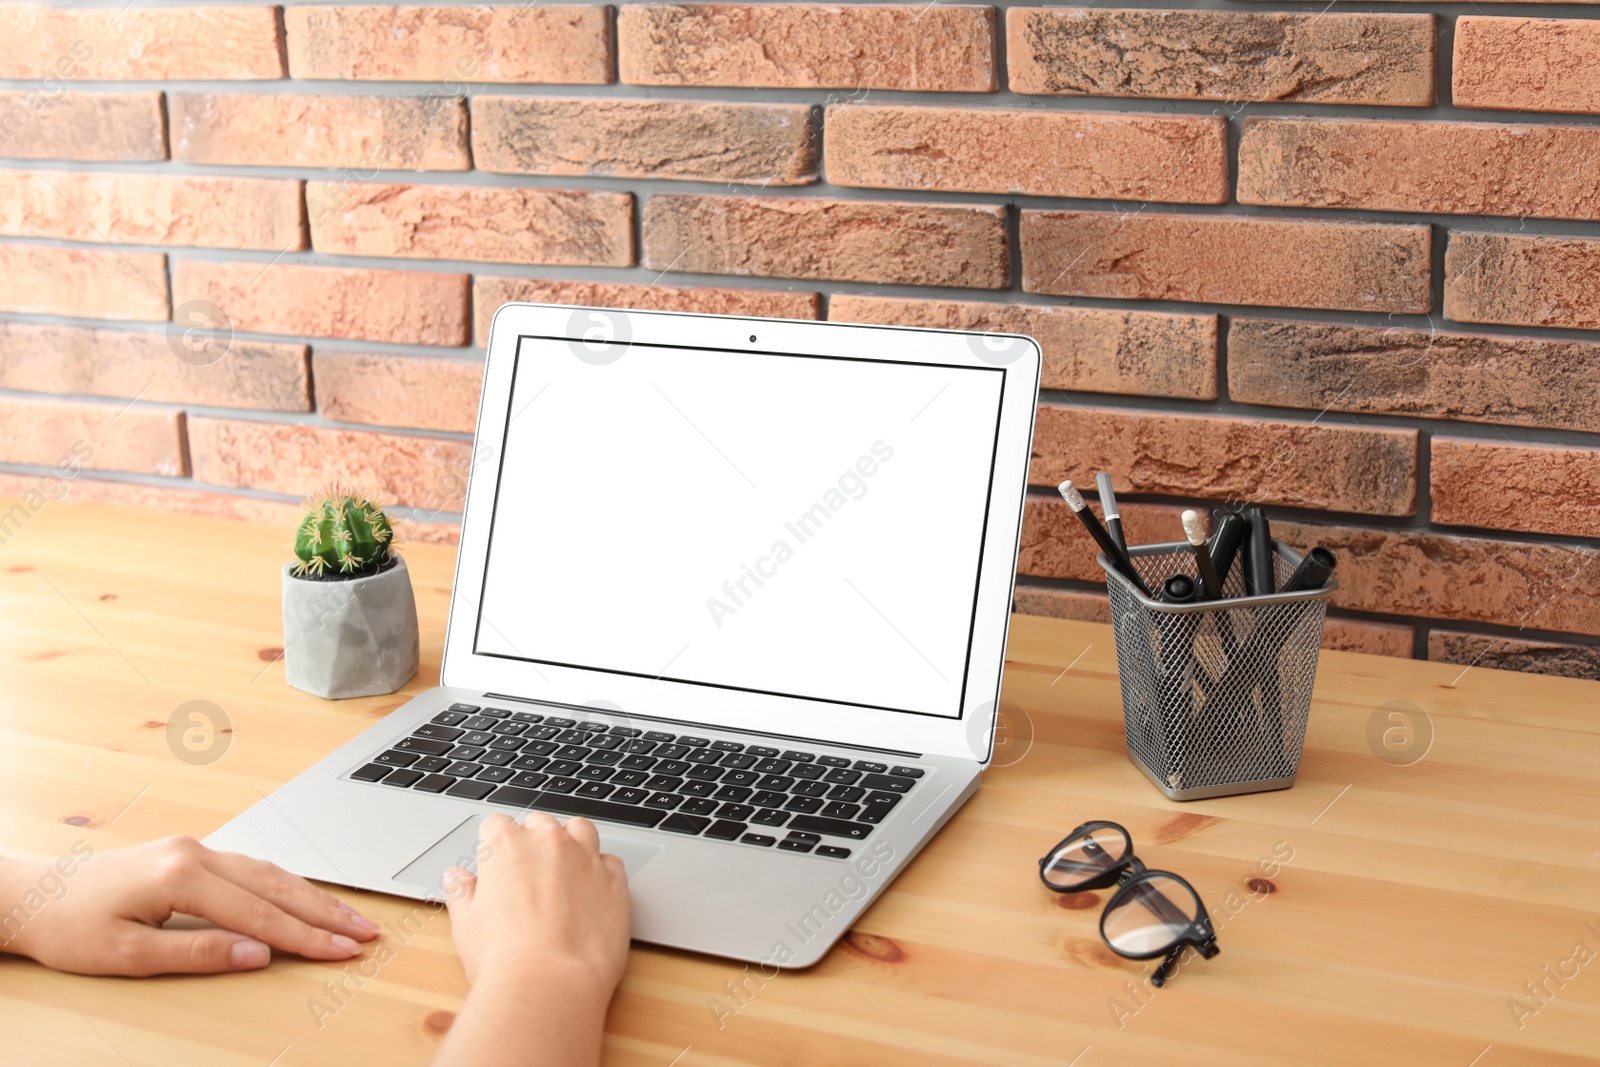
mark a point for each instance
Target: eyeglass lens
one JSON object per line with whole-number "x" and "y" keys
{"x": 1086, "y": 856}
{"x": 1150, "y": 915}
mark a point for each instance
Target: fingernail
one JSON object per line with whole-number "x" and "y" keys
{"x": 450, "y": 881}
{"x": 343, "y": 942}
{"x": 362, "y": 923}
{"x": 248, "y": 955}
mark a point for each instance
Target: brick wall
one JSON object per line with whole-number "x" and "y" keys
{"x": 1343, "y": 263}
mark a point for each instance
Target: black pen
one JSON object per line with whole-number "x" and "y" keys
{"x": 1259, "y": 570}
{"x": 1313, "y": 572}
{"x": 1108, "y": 505}
{"x": 1194, "y": 528}
{"x": 1118, "y": 560}
{"x": 1226, "y": 537}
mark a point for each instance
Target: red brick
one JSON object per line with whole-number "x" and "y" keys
{"x": 757, "y": 144}
{"x": 1396, "y": 370}
{"x": 1526, "y": 64}
{"x": 1061, "y": 603}
{"x": 136, "y": 43}
{"x": 1522, "y": 280}
{"x": 1302, "y": 464}
{"x": 121, "y": 363}
{"x": 1175, "y": 158}
{"x": 422, "y": 394}
{"x": 278, "y": 130}
{"x": 1373, "y": 638}
{"x": 1459, "y": 168}
{"x": 927, "y": 47}
{"x": 405, "y": 307}
{"x": 1536, "y": 488}
{"x": 1239, "y": 56}
{"x": 494, "y": 225}
{"x": 1226, "y": 259}
{"x": 96, "y": 435}
{"x": 44, "y": 123}
{"x": 842, "y": 240}
{"x": 1396, "y": 572}
{"x": 92, "y": 285}
{"x": 1097, "y": 350}
{"x": 153, "y": 209}
{"x": 1493, "y": 652}
{"x": 488, "y": 293}
{"x": 568, "y": 44}
{"x": 422, "y": 472}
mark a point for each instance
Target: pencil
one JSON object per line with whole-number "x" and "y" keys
{"x": 1108, "y": 505}
{"x": 1119, "y": 560}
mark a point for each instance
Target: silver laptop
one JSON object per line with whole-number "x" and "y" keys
{"x": 735, "y": 589}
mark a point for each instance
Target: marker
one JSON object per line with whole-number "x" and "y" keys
{"x": 1194, "y": 527}
{"x": 1108, "y": 505}
{"x": 1121, "y": 562}
{"x": 1179, "y": 589}
{"x": 1313, "y": 572}
{"x": 1258, "y": 572}
{"x": 1226, "y": 537}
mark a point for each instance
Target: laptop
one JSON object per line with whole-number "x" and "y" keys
{"x": 735, "y": 589}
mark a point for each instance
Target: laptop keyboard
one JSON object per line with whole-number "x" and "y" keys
{"x": 767, "y": 797}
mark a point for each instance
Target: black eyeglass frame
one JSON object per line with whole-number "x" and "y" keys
{"x": 1130, "y": 875}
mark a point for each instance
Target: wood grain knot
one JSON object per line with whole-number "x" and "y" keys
{"x": 1181, "y": 826}
{"x": 48, "y": 654}
{"x": 1260, "y": 885}
{"x": 77, "y": 820}
{"x": 1077, "y": 901}
{"x": 108, "y": 596}
{"x": 18, "y": 570}
{"x": 438, "y": 1022}
{"x": 874, "y": 947}
{"x": 154, "y": 724}
{"x": 1093, "y": 954}
{"x": 269, "y": 655}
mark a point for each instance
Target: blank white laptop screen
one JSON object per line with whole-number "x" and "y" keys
{"x": 805, "y": 526}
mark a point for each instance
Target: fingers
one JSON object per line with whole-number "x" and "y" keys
{"x": 290, "y": 892}
{"x": 584, "y": 833}
{"x": 146, "y": 950}
{"x": 460, "y": 886}
{"x": 235, "y": 908}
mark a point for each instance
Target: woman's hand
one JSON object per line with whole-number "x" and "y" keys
{"x": 105, "y": 917}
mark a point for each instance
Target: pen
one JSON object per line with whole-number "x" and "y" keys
{"x": 1194, "y": 528}
{"x": 1108, "y": 505}
{"x": 1258, "y": 573}
{"x": 1118, "y": 560}
{"x": 1226, "y": 537}
{"x": 1179, "y": 589}
{"x": 1313, "y": 572}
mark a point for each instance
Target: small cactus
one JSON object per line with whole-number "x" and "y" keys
{"x": 344, "y": 535}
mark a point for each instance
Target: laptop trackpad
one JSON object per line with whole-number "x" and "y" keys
{"x": 459, "y": 848}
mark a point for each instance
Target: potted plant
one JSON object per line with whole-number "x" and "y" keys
{"x": 349, "y": 616}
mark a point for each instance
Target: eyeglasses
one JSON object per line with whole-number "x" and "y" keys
{"x": 1153, "y": 912}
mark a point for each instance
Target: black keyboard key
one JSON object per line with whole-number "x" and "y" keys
{"x": 775, "y": 782}
{"x": 506, "y": 744}
{"x": 833, "y": 761}
{"x": 426, "y": 746}
{"x": 881, "y": 800}
{"x": 435, "y": 732}
{"x": 467, "y": 752}
{"x": 842, "y": 776}
{"x": 591, "y": 773}
{"x": 530, "y": 780}
{"x": 539, "y": 748}
{"x": 509, "y": 728}
{"x": 530, "y": 763}
{"x": 606, "y": 742}
{"x": 663, "y": 801}
{"x": 704, "y": 774}
{"x": 463, "y": 769}
{"x": 598, "y": 790}
{"x": 847, "y": 793}
{"x": 562, "y": 723}
{"x": 571, "y": 737}
{"x": 562, "y": 784}
{"x": 698, "y": 789}
{"x": 495, "y": 774}
{"x": 605, "y": 759}
{"x": 737, "y": 760}
{"x": 672, "y": 751}
{"x": 468, "y": 708}
{"x": 810, "y": 789}
{"x": 773, "y": 766}
{"x": 728, "y": 746}
{"x": 855, "y": 831}
{"x": 449, "y": 718}
{"x": 571, "y": 752}
{"x": 527, "y": 716}
{"x": 588, "y": 807}
{"x": 372, "y": 772}
{"x": 891, "y": 782}
{"x": 430, "y": 764}
{"x": 631, "y": 796}
{"x": 470, "y": 790}
{"x": 833, "y": 852}
{"x": 760, "y": 750}
{"x": 659, "y": 735}
{"x": 698, "y": 806}
{"x": 805, "y": 804}
{"x": 392, "y": 758}
{"x": 703, "y": 755}
{"x": 664, "y": 783}
{"x": 475, "y": 737}
{"x": 759, "y": 839}
{"x": 736, "y": 812}
{"x": 639, "y": 746}
{"x": 737, "y": 793}
{"x": 562, "y": 766}
{"x": 478, "y": 722}
{"x": 543, "y": 733}
{"x": 625, "y": 731}
{"x": 496, "y": 758}
{"x": 869, "y": 766}
{"x": 680, "y": 823}
{"x": 629, "y": 777}
{"x": 637, "y": 763}
{"x": 808, "y": 771}
{"x": 592, "y": 727}
{"x": 436, "y": 783}
{"x": 740, "y": 778}
{"x": 672, "y": 766}
{"x": 726, "y": 830}
{"x": 498, "y": 713}
{"x": 765, "y": 799}
{"x": 804, "y": 835}
{"x": 770, "y": 817}
{"x": 838, "y": 809}
{"x": 694, "y": 742}
{"x": 798, "y": 757}
{"x": 403, "y": 778}
{"x": 793, "y": 844}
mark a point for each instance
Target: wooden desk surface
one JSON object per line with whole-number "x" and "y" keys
{"x": 1418, "y": 901}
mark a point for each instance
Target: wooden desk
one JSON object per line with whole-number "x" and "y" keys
{"x": 1418, "y": 902}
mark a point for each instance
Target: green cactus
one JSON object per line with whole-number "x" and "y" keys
{"x": 344, "y": 535}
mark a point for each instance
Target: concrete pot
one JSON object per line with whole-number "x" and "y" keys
{"x": 352, "y": 638}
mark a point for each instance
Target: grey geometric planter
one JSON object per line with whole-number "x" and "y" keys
{"x": 352, "y": 638}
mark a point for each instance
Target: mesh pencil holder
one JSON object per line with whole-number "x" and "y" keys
{"x": 1215, "y": 694}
